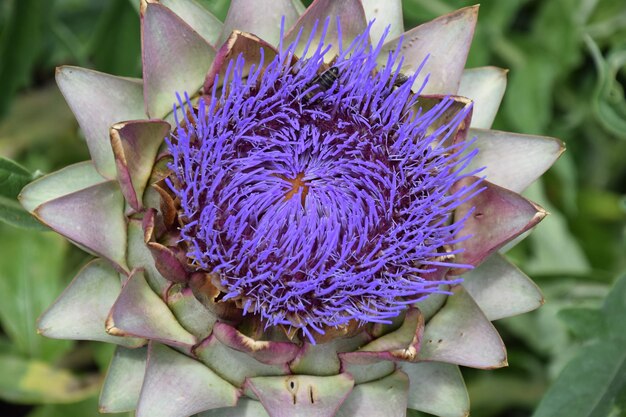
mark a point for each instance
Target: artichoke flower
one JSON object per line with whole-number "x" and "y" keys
{"x": 296, "y": 212}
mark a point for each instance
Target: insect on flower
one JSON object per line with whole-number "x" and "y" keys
{"x": 321, "y": 82}
{"x": 327, "y": 78}
{"x": 400, "y": 79}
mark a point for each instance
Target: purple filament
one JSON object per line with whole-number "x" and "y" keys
{"x": 320, "y": 203}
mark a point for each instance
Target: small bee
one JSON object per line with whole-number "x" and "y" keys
{"x": 400, "y": 79}
{"x": 324, "y": 81}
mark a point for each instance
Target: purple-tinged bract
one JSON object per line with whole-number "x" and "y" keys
{"x": 320, "y": 193}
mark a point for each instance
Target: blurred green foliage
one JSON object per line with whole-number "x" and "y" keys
{"x": 568, "y": 70}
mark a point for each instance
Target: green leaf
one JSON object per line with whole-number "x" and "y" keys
{"x": 5, "y": 346}
{"x": 591, "y": 384}
{"x": 13, "y": 177}
{"x": 588, "y": 384}
{"x": 542, "y": 329}
{"x": 40, "y": 127}
{"x": 492, "y": 394}
{"x": 619, "y": 406}
{"x": 20, "y": 43}
{"x": 11, "y": 212}
{"x": 117, "y": 51}
{"x": 31, "y": 268}
{"x": 601, "y": 205}
{"x": 561, "y": 40}
{"x": 528, "y": 101}
{"x": 32, "y": 381}
{"x": 615, "y": 311}
{"x": 584, "y": 323}
{"x": 135, "y": 5}
{"x": 608, "y": 101}
{"x": 219, "y": 8}
{"x": 554, "y": 248}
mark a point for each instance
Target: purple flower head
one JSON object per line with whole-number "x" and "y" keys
{"x": 320, "y": 194}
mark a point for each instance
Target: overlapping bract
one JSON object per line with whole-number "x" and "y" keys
{"x": 197, "y": 360}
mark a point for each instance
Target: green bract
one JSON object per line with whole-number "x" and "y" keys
{"x": 181, "y": 350}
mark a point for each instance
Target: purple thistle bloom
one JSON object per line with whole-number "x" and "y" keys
{"x": 320, "y": 193}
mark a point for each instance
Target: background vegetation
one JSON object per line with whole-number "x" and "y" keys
{"x": 568, "y": 68}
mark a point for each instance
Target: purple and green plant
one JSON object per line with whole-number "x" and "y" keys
{"x": 312, "y": 230}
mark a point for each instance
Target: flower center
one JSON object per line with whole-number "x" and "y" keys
{"x": 297, "y": 185}
{"x": 374, "y": 173}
